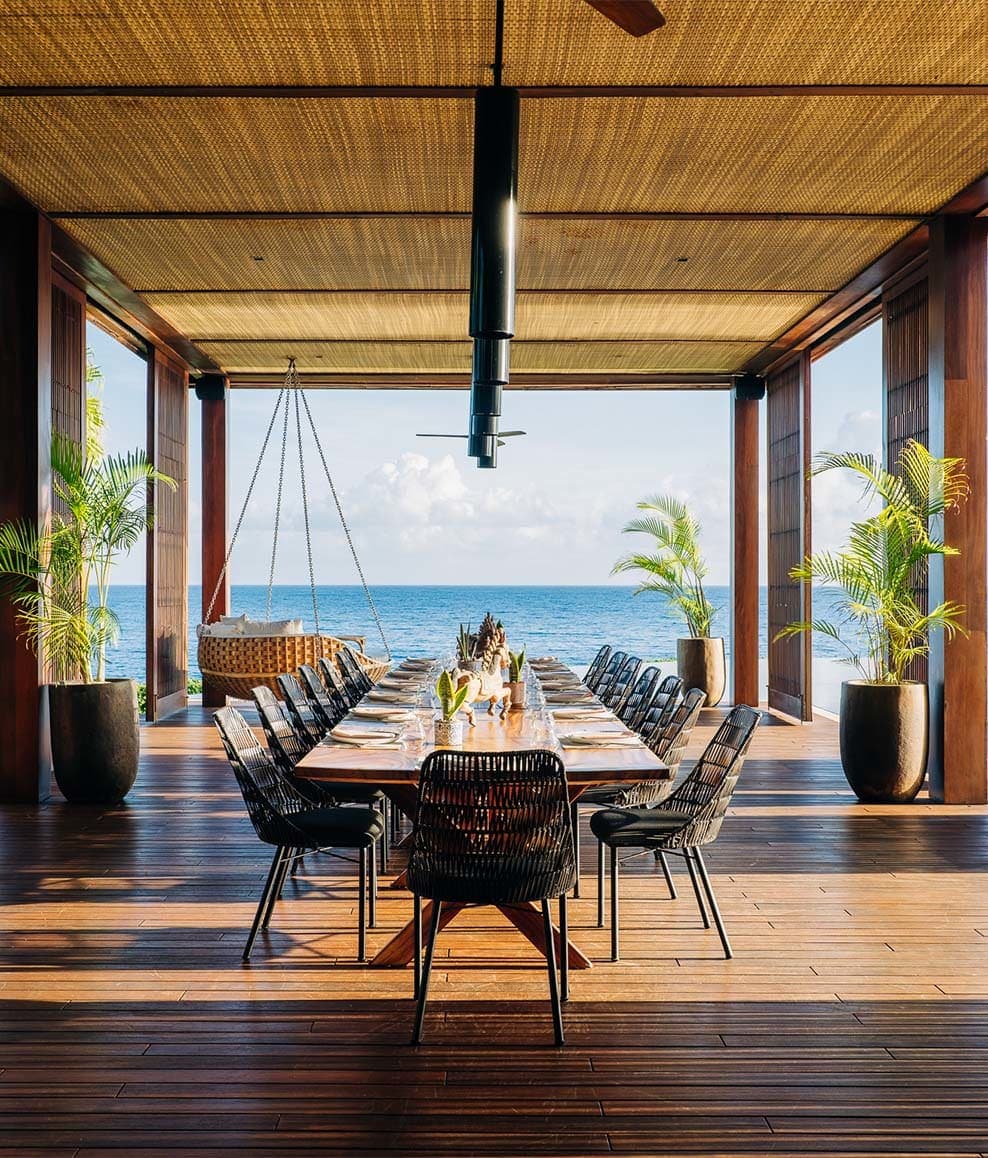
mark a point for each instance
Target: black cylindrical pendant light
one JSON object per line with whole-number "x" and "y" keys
{"x": 492, "y": 263}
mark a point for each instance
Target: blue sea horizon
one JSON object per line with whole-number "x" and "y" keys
{"x": 568, "y": 621}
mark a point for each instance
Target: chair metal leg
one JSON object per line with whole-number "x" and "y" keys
{"x": 601, "y": 915}
{"x": 417, "y": 934}
{"x": 564, "y": 947}
{"x": 615, "y": 949}
{"x": 667, "y": 874}
{"x": 575, "y": 815}
{"x": 688, "y": 857}
{"x": 262, "y": 904}
{"x": 709, "y": 890}
{"x": 278, "y": 884}
{"x": 362, "y": 905}
{"x": 430, "y": 950}
{"x": 384, "y": 841}
{"x": 372, "y": 887}
{"x": 550, "y": 957}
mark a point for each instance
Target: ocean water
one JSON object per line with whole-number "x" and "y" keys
{"x": 570, "y": 622}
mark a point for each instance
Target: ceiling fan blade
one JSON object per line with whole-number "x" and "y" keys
{"x": 636, "y": 17}
{"x": 511, "y": 433}
{"x": 441, "y": 436}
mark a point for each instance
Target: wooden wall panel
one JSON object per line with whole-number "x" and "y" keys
{"x": 789, "y": 660}
{"x": 215, "y": 524}
{"x": 905, "y": 337}
{"x": 68, "y": 359}
{"x": 25, "y": 484}
{"x": 168, "y": 546}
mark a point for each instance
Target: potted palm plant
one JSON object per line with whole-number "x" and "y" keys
{"x": 448, "y": 729}
{"x": 884, "y": 715}
{"x": 58, "y": 578}
{"x": 675, "y": 568}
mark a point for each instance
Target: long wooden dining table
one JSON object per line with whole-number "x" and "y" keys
{"x": 395, "y": 770}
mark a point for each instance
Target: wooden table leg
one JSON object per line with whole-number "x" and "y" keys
{"x": 400, "y": 950}
{"x": 527, "y": 919}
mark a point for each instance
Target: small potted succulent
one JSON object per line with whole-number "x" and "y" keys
{"x": 466, "y": 649}
{"x": 449, "y": 729}
{"x": 516, "y": 685}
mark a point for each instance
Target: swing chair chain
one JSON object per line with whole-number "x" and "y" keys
{"x": 346, "y": 531}
{"x": 277, "y": 510}
{"x": 243, "y": 509}
{"x": 305, "y": 510}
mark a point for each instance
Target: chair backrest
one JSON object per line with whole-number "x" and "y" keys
{"x": 299, "y": 708}
{"x": 619, "y": 688}
{"x": 333, "y": 680}
{"x": 285, "y": 744}
{"x": 596, "y": 668}
{"x": 611, "y": 669}
{"x": 640, "y": 696}
{"x": 706, "y": 792}
{"x": 264, "y": 695}
{"x": 492, "y": 828}
{"x": 670, "y": 738}
{"x": 269, "y": 795}
{"x": 328, "y": 709}
{"x": 357, "y": 681}
{"x": 659, "y": 711}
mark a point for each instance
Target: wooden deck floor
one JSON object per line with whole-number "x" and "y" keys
{"x": 854, "y": 1018}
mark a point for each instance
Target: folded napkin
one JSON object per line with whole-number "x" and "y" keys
{"x": 416, "y": 665}
{"x": 598, "y": 740}
{"x": 363, "y": 732}
{"x": 555, "y": 698}
{"x": 343, "y": 741}
{"x": 392, "y": 697}
{"x": 597, "y": 714}
{"x": 370, "y": 712}
{"x": 401, "y": 682}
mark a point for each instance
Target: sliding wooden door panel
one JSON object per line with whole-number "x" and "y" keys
{"x": 789, "y": 660}
{"x": 167, "y": 572}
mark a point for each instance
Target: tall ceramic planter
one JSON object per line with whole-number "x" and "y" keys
{"x": 884, "y": 739}
{"x": 702, "y": 664}
{"x": 95, "y": 740}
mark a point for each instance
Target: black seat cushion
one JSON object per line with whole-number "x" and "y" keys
{"x": 491, "y": 880}
{"x": 347, "y": 792}
{"x": 339, "y": 827}
{"x": 637, "y": 827}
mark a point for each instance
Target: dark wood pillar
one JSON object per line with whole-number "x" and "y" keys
{"x": 958, "y": 380}
{"x": 788, "y": 516}
{"x": 168, "y": 541}
{"x": 214, "y": 398}
{"x": 745, "y": 549}
{"x": 25, "y": 493}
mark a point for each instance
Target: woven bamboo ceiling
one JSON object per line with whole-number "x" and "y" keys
{"x": 685, "y": 197}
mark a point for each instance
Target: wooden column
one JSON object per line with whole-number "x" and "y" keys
{"x": 168, "y": 542}
{"x": 25, "y": 493}
{"x": 958, "y": 380}
{"x": 745, "y": 550}
{"x": 214, "y": 397}
{"x": 788, "y": 517}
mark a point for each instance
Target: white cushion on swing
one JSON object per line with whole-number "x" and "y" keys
{"x": 223, "y": 630}
{"x": 261, "y": 628}
{"x": 240, "y": 621}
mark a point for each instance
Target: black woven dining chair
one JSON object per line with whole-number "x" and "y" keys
{"x": 353, "y": 674}
{"x": 597, "y": 666}
{"x": 639, "y": 696}
{"x": 328, "y": 708}
{"x": 620, "y": 687}
{"x": 492, "y": 828}
{"x": 663, "y": 704}
{"x": 301, "y": 711}
{"x": 283, "y": 816}
{"x": 690, "y": 817}
{"x": 607, "y": 676}
{"x": 333, "y": 682}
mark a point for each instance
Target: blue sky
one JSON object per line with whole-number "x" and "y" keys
{"x": 553, "y": 510}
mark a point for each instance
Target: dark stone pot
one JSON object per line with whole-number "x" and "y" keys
{"x": 702, "y": 665}
{"x": 884, "y": 738}
{"x": 95, "y": 740}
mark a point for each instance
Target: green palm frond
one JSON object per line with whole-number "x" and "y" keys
{"x": 676, "y": 567}
{"x": 885, "y": 558}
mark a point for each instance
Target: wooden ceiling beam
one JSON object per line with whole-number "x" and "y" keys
{"x": 454, "y": 215}
{"x": 465, "y": 92}
{"x": 715, "y": 380}
{"x": 530, "y": 291}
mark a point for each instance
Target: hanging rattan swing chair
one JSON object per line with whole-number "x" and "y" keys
{"x": 234, "y": 665}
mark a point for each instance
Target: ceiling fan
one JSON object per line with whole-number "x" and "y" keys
{"x": 501, "y": 435}
{"x": 636, "y": 17}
